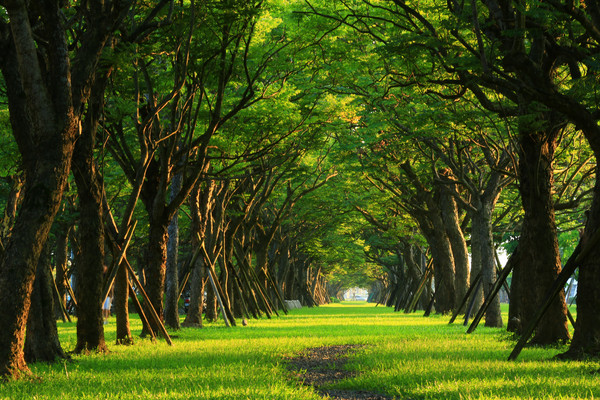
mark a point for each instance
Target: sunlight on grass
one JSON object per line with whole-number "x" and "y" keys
{"x": 406, "y": 355}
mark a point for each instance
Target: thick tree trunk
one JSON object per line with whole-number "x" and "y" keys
{"x": 90, "y": 329}
{"x": 482, "y": 245}
{"x": 443, "y": 267}
{"x": 539, "y": 261}
{"x": 443, "y": 260}
{"x": 586, "y": 337}
{"x": 460, "y": 253}
{"x": 45, "y": 182}
{"x": 41, "y": 342}
{"x": 197, "y": 287}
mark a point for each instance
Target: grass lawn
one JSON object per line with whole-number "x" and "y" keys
{"x": 408, "y": 356}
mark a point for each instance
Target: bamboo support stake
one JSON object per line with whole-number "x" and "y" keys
{"x": 140, "y": 310}
{"x": 472, "y": 303}
{"x": 65, "y": 314}
{"x": 417, "y": 295}
{"x": 108, "y": 282}
{"x": 149, "y": 305}
{"x": 219, "y": 300}
{"x": 253, "y": 281}
{"x": 277, "y": 292}
{"x": 71, "y": 293}
{"x": 488, "y": 299}
{"x": 227, "y": 314}
{"x": 466, "y": 297}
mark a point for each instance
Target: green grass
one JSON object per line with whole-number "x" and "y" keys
{"x": 407, "y": 355}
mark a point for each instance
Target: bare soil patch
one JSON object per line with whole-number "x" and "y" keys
{"x": 320, "y": 366}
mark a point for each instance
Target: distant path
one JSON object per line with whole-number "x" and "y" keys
{"x": 320, "y": 366}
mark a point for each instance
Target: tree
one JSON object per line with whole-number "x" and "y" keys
{"x": 469, "y": 61}
{"x": 46, "y": 98}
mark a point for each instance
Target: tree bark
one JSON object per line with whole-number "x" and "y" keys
{"x": 539, "y": 260}
{"x": 90, "y": 329}
{"x": 121, "y": 306}
{"x": 156, "y": 266}
{"x": 197, "y": 287}
{"x": 172, "y": 274}
{"x": 62, "y": 258}
{"x": 10, "y": 210}
{"x": 482, "y": 245}
{"x": 42, "y": 342}
{"x": 46, "y": 144}
{"x": 443, "y": 260}
{"x": 460, "y": 253}
{"x": 586, "y": 337}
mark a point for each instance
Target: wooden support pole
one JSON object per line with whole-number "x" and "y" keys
{"x": 262, "y": 292}
{"x": 219, "y": 300}
{"x": 189, "y": 267}
{"x": 227, "y": 314}
{"x": 466, "y": 297}
{"x": 242, "y": 297}
{"x": 64, "y": 313}
{"x": 256, "y": 311}
{"x": 472, "y": 303}
{"x": 499, "y": 271}
{"x": 108, "y": 282}
{"x": 413, "y": 304}
{"x": 576, "y": 258}
{"x": 430, "y": 305}
{"x": 252, "y": 280}
{"x": 488, "y": 299}
{"x": 148, "y": 303}
{"x": 71, "y": 292}
{"x": 277, "y": 292}
{"x": 152, "y": 311}
{"x": 140, "y": 310}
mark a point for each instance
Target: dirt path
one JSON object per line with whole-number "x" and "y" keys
{"x": 320, "y": 366}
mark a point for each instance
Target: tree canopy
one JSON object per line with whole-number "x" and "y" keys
{"x": 274, "y": 150}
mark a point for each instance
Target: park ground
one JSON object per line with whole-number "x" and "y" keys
{"x": 407, "y": 356}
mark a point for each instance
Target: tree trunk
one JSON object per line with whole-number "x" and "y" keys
{"x": 90, "y": 329}
{"x": 172, "y": 274}
{"x": 121, "y": 306}
{"x": 539, "y": 261}
{"x": 156, "y": 267}
{"x": 47, "y": 160}
{"x": 197, "y": 287}
{"x": 62, "y": 258}
{"x": 450, "y": 216}
{"x": 443, "y": 261}
{"x": 10, "y": 210}
{"x": 211, "y": 304}
{"x": 482, "y": 245}
{"x": 586, "y": 337}
{"x": 41, "y": 342}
